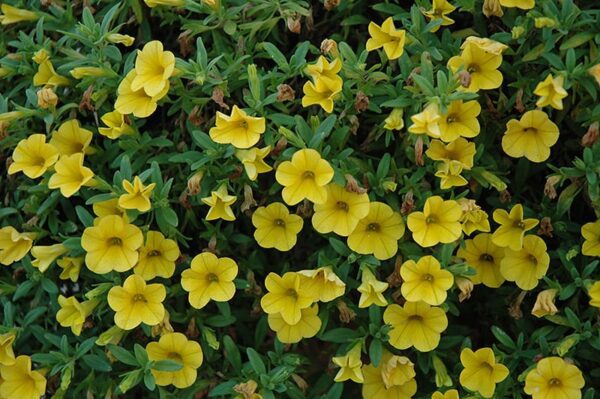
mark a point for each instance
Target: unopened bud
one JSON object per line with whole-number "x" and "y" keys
{"x": 492, "y": 8}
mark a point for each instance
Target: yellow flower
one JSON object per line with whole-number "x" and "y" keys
{"x": 481, "y": 372}
{"x": 167, "y": 3}
{"x": 387, "y": 36}
{"x": 14, "y": 115}
{"x": 305, "y": 176}
{"x": 591, "y": 234}
{"x": 254, "y": 161}
{"x": 40, "y": 56}
{"x": 153, "y": 68}
{"x": 416, "y": 324}
{"x": 135, "y": 303}
{"x": 451, "y": 394}
{"x": 238, "y": 129}
{"x": 118, "y": 38}
{"x": 425, "y": 280}
{"x": 554, "y": 378}
{"x": 137, "y": 196}
{"x": 175, "y": 346}
{"x": 275, "y": 227}
{"x": 481, "y": 64}
{"x": 209, "y": 278}
{"x": 45, "y": 255}
{"x": 371, "y": 290}
{"x": 33, "y": 156}
{"x": 544, "y": 303}
{"x": 341, "y": 212}
{"x": 531, "y": 137}
{"x": 83, "y": 72}
{"x": 350, "y": 366}
{"x": 449, "y": 174}
{"x": 326, "y": 72}
{"x": 136, "y": 102}
{"x": 20, "y": 382}
{"x": 70, "y": 175}
{"x": 116, "y": 125}
{"x": 522, "y": 4}
{"x": 551, "y": 92}
{"x": 70, "y": 268}
{"x": 460, "y": 120}
{"x": 325, "y": 282}
{"x": 392, "y": 379}
{"x": 595, "y": 72}
{"x": 594, "y": 293}
{"x": 485, "y": 257}
{"x": 73, "y": 314}
{"x": 111, "y": 244}
{"x": 439, "y": 222}
{"x": 485, "y": 44}
{"x": 220, "y": 204}
{"x": 528, "y": 265}
{"x": 473, "y": 218}
{"x": 109, "y": 207}
{"x": 14, "y": 245}
{"x": 286, "y": 296}
{"x": 321, "y": 93}
{"x": 427, "y": 122}
{"x": 378, "y": 232}
{"x": 71, "y": 138}
{"x": 7, "y": 355}
{"x": 308, "y": 326}
{"x": 395, "y": 120}
{"x": 12, "y": 15}
{"x": 157, "y": 257}
{"x": 512, "y": 227}
{"x": 111, "y": 336}
{"x": 439, "y": 10}
{"x": 47, "y": 98}
{"x": 47, "y": 76}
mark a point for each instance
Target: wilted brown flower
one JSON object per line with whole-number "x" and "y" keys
{"x": 352, "y": 185}
{"x": 329, "y": 46}
{"x": 408, "y": 203}
{"x": 546, "y": 228}
{"x": 361, "y": 103}
{"x": 464, "y": 77}
{"x": 217, "y": 96}
{"x": 550, "y": 186}
{"x": 419, "y": 152}
{"x": 590, "y": 138}
{"x": 46, "y": 98}
{"x": 346, "y": 314}
{"x": 293, "y": 23}
{"x": 285, "y": 93}
{"x": 331, "y": 4}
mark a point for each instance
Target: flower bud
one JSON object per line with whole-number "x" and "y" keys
{"x": 517, "y": 32}
{"x": 329, "y": 47}
{"x": 111, "y": 336}
{"x": 492, "y": 8}
{"x": 47, "y": 98}
{"x": 544, "y": 304}
{"x": 545, "y": 22}
{"x": 465, "y": 286}
{"x": 214, "y": 4}
{"x": 82, "y": 72}
{"x": 40, "y": 56}
{"x": 118, "y": 38}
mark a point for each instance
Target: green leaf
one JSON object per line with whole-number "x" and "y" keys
{"x": 340, "y": 335}
{"x": 97, "y": 363}
{"x": 167, "y": 365}
{"x": 256, "y": 361}
{"x": 123, "y": 355}
{"x": 503, "y": 337}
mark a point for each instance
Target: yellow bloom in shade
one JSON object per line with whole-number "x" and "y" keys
{"x": 321, "y": 93}
{"x": 70, "y": 267}
{"x": 137, "y": 196}
{"x": 512, "y": 227}
{"x": 70, "y": 175}
{"x": 47, "y": 76}
{"x": 12, "y": 15}
{"x": 427, "y": 122}
{"x": 425, "y": 281}
{"x": 286, "y": 295}
{"x": 595, "y": 73}
{"x": 341, "y": 212}
{"x": 528, "y": 265}
{"x": 276, "y": 227}
{"x": 439, "y": 222}
{"x": 350, "y": 366}
{"x": 326, "y": 72}
{"x": 167, "y": 3}
{"x": 378, "y": 232}
{"x": 71, "y": 138}
{"x": 522, "y": 4}
{"x": 481, "y": 65}
{"x": 7, "y": 355}
{"x": 325, "y": 282}
{"x": 371, "y": 290}
{"x": 554, "y": 378}
{"x": 72, "y": 313}
{"x": 40, "y": 56}
{"x": 305, "y": 176}
{"x": 551, "y": 92}
{"x": 387, "y": 36}
{"x": 481, "y": 371}
{"x": 175, "y": 346}
{"x": 33, "y": 156}
{"x": 531, "y": 137}
{"x": 20, "y": 382}
{"x": 136, "y": 102}
{"x": 157, "y": 257}
{"x": 135, "y": 303}
{"x": 473, "y": 218}
{"x": 395, "y": 120}
{"x": 111, "y": 244}
{"x": 449, "y": 174}
{"x": 153, "y": 68}
{"x": 440, "y": 10}
{"x": 254, "y": 161}
{"x": 14, "y": 245}
{"x": 392, "y": 379}
{"x": 238, "y": 129}
{"x": 109, "y": 207}
{"x": 45, "y": 255}
{"x": 460, "y": 120}
{"x": 544, "y": 303}
{"x": 591, "y": 234}
{"x": 485, "y": 257}
{"x": 308, "y": 326}
{"x": 116, "y": 125}
{"x": 209, "y": 278}
{"x": 451, "y": 394}
{"x": 220, "y": 204}
{"x": 415, "y": 324}
{"x": 118, "y": 38}
{"x": 485, "y": 44}
{"x": 594, "y": 293}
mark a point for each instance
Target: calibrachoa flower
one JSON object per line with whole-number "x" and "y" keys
{"x": 321, "y": 93}
{"x": 427, "y": 121}
{"x": 439, "y": 222}
{"x": 531, "y": 137}
{"x": 460, "y": 120}
{"x": 449, "y": 174}
{"x": 439, "y": 11}
{"x": 371, "y": 290}
{"x": 554, "y": 378}
{"x": 153, "y": 68}
{"x": 109, "y": 207}
{"x": 395, "y": 120}
{"x": 157, "y": 257}
{"x": 326, "y": 72}
{"x": 137, "y": 195}
{"x": 116, "y": 125}
{"x": 451, "y": 394}
{"x": 341, "y": 212}
{"x": 135, "y": 303}
{"x": 276, "y": 227}
{"x": 238, "y": 129}
{"x": 512, "y": 227}
{"x": 19, "y": 381}
{"x": 473, "y": 218}
{"x": 425, "y": 281}
{"x": 591, "y": 235}
{"x": 73, "y": 313}
{"x": 551, "y": 92}
{"x": 44, "y": 255}
{"x": 522, "y": 4}
{"x": 544, "y": 303}
{"x": 307, "y": 327}
{"x": 209, "y": 278}
{"x": 12, "y": 15}
{"x": 137, "y": 102}
{"x": 7, "y": 355}
{"x": 254, "y": 161}
{"x": 47, "y": 76}
{"x": 415, "y": 324}
{"x": 166, "y": 3}
{"x": 220, "y": 204}
{"x": 285, "y": 296}
{"x": 350, "y": 366}
{"x": 528, "y": 265}
{"x": 71, "y": 138}
{"x": 482, "y": 372}
{"x": 594, "y": 293}
{"x": 389, "y": 379}
{"x": 71, "y": 267}
{"x": 33, "y": 156}
{"x": 484, "y": 256}
{"x": 481, "y": 65}
{"x": 176, "y": 347}
{"x": 14, "y": 245}
{"x": 70, "y": 175}
{"x": 387, "y": 36}
{"x": 325, "y": 282}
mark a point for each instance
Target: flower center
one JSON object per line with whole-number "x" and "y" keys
{"x": 115, "y": 241}
{"x": 531, "y": 130}
{"x": 154, "y": 252}
{"x": 175, "y": 356}
{"x": 308, "y": 175}
{"x": 415, "y": 317}
{"x": 431, "y": 219}
{"x": 341, "y": 205}
{"x": 139, "y": 298}
{"x": 519, "y": 224}
{"x": 428, "y": 277}
{"x": 533, "y": 259}
{"x": 243, "y": 124}
{"x": 487, "y": 366}
{"x": 554, "y": 382}
{"x": 292, "y": 293}
{"x": 373, "y": 227}
{"x": 213, "y": 278}
{"x": 451, "y": 118}
{"x": 473, "y": 68}
{"x": 486, "y": 257}
{"x": 38, "y": 160}
{"x": 279, "y": 223}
